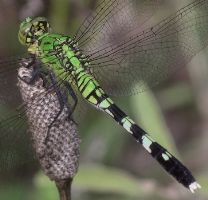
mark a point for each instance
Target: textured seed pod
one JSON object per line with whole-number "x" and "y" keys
{"x": 57, "y": 148}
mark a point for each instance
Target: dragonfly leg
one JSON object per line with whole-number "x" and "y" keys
{"x": 62, "y": 98}
{"x": 73, "y": 95}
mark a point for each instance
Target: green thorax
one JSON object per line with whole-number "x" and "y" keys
{"x": 59, "y": 53}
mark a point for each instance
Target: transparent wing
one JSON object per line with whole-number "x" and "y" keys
{"x": 16, "y": 143}
{"x": 100, "y": 26}
{"x": 8, "y": 80}
{"x": 149, "y": 56}
{"x": 15, "y": 137}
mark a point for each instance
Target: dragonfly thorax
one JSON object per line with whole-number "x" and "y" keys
{"x": 31, "y": 29}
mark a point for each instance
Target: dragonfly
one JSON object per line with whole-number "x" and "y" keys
{"x": 97, "y": 63}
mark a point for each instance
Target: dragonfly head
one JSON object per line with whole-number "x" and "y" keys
{"x": 31, "y": 29}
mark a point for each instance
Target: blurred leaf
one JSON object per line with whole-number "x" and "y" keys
{"x": 203, "y": 180}
{"x": 46, "y": 189}
{"x": 59, "y": 14}
{"x": 152, "y": 120}
{"x": 97, "y": 178}
{"x": 99, "y": 133}
{"x": 179, "y": 95}
{"x": 16, "y": 191}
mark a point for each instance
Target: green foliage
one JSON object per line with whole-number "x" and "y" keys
{"x": 98, "y": 178}
{"x": 16, "y": 191}
{"x": 152, "y": 119}
{"x": 45, "y": 189}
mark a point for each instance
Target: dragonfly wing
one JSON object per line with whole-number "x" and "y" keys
{"x": 150, "y": 56}
{"x": 15, "y": 132}
{"x": 8, "y": 80}
{"x": 100, "y": 25}
{"x": 15, "y": 142}
{"x": 15, "y": 138}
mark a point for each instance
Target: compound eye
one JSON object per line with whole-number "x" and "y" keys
{"x": 44, "y": 25}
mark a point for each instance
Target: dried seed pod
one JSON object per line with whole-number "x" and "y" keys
{"x": 57, "y": 148}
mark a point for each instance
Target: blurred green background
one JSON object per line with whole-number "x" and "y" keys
{"x": 112, "y": 164}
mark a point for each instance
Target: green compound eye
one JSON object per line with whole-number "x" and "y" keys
{"x": 31, "y": 29}
{"x": 24, "y": 29}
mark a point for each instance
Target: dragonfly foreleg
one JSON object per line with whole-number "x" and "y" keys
{"x": 74, "y": 97}
{"x": 62, "y": 98}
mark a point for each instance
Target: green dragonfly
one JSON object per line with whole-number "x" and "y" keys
{"x": 96, "y": 64}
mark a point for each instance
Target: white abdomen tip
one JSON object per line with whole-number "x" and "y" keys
{"x": 194, "y": 186}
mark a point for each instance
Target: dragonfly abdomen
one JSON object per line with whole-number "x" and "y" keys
{"x": 159, "y": 153}
{"x": 95, "y": 95}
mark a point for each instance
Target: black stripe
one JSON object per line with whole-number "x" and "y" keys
{"x": 102, "y": 98}
{"x": 85, "y": 86}
{"x": 93, "y": 93}
{"x": 76, "y": 75}
{"x": 117, "y": 113}
{"x": 137, "y": 132}
{"x": 82, "y": 81}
